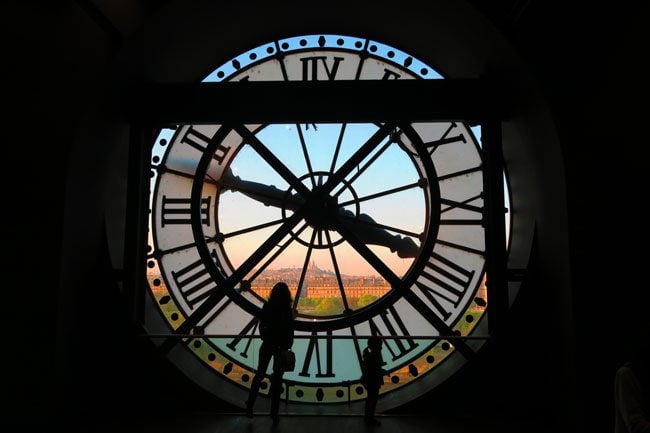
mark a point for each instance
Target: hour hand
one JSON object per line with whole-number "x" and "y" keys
{"x": 268, "y": 195}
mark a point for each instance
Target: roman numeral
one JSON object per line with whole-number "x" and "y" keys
{"x": 395, "y": 327}
{"x": 323, "y": 360}
{"x": 445, "y": 139}
{"x": 446, "y": 282}
{"x": 178, "y": 211}
{"x": 460, "y": 247}
{"x": 357, "y": 347}
{"x": 200, "y": 141}
{"x": 448, "y": 204}
{"x": 390, "y": 75}
{"x": 312, "y": 65}
{"x": 460, "y": 173}
{"x": 246, "y": 333}
{"x": 194, "y": 282}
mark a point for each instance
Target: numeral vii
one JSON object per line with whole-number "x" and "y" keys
{"x": 246, "y": 333}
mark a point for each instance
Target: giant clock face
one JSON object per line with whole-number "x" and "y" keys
{"x": 377, "y": 229}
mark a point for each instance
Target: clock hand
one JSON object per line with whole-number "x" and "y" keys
{"x": 363, "y": 227}
{"x": 363, "y": 224}
{"x": 268, "y": 195}
{"x": 410, "y": 296}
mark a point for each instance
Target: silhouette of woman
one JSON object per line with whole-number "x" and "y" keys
{"x": 276, "y": 330}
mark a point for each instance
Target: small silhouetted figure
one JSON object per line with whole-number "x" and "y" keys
{"x": 276, "y": 330}
{"x": 632, "y": 394}
{"x": 372, "y": 377}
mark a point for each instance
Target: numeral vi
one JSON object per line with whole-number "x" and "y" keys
{"x": 315, "y": 351}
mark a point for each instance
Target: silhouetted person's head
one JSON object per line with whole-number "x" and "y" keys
{"x": 280, "y": 294}
{"x": 374, "y": 343}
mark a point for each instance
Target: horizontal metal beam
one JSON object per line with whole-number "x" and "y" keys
{"x": 326, "y": 337}
{"x": 469, "y": 100}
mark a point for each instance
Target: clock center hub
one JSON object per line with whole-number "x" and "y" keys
{"x": 321, "y": 210}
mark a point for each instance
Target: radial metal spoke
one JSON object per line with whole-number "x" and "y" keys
{"x": 272, "y": 160}
{"x": 338, "y": 147}
{"x": 361, "y": 153}
{"x": 381, "y": 194}
{"x": 304, "y": 271}
{"x": 250, "y": 229}
{"x": 227, "y": 284}
{"x": 303, "y": 145}
{"x": 336, "y": 271}
{"x": 279, "y": 251}
{"x": 359, "y": 172}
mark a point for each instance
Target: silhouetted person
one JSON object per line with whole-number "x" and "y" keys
{"x": 276, "y": 330}
{"x": 372, "y": 377}
{"x": 632, "y": 394}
